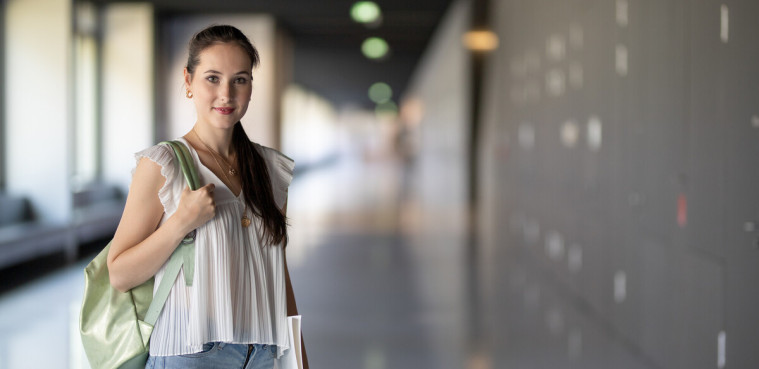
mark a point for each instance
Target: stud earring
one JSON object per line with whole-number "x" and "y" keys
{"x": 188, "y": 94}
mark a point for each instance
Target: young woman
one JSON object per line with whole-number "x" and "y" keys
{"x": 234, "y": 315}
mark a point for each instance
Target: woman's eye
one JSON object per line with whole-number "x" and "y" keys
{"x": 212, "y": 79}
{"x": 241, "y": 80}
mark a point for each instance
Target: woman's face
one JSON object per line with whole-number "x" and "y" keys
{"x": 221, "y": 85}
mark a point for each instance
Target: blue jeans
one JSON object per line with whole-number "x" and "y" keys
{"x": 219, "y": 355}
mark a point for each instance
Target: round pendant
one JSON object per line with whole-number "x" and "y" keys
{"x": 232, "y": 172}
{"x": 245, "y": 221}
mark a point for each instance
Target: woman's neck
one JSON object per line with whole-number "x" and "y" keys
{"x": 219, "y": 140}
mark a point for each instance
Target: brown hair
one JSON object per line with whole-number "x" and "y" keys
{"x": 254, "y": 173}
{"x": 219, "y": 34}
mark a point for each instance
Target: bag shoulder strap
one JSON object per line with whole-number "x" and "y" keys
{"x": 184, "y": 254}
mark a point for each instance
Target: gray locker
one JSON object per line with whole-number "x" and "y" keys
{"x": 700, "y": 312}
{"x": 626, "y": 139}
{"x": 671, "y": 201}
{"x": 658, "y": 310}
{"x": 661, "y": 114}
{"x": 705, "y": 192}
{"x": 740, "y": 102}
{"x": 596, "y": 272}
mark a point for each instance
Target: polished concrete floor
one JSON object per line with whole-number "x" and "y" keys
{"x": 381, "y": 282}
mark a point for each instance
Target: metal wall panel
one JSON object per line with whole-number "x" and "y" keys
{"x": 659, "y": 266}
{"x": 670, "y": 201}
{"x": 629, "y": 200}
{"x": 739, "y": 115}
{"x": 704, "y": 181}
{"x": 700, "y": 317}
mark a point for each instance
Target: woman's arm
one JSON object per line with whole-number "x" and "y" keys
{"x": 138, "y": 249}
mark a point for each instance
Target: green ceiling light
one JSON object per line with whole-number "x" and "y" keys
{"x": 366, "y": 12}
{"x": 375, "y": 48}
{"x": 380, "y": 92}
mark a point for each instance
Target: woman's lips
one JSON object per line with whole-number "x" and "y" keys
{"x": 224, "y": 111}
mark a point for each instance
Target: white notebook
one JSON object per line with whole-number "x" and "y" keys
{"x": 292, "y": 359}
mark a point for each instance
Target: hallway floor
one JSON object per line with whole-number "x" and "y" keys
{"x": 381, "y": 284}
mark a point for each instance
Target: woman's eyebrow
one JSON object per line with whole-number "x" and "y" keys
{"x": 217, "y": 72}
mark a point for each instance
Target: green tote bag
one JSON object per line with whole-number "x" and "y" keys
{"x": 115, "y": 326}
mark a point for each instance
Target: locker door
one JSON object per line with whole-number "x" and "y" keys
{"x": 663, "y": 150}
{"x": 628, "y": 199}
{"x": 700, "y": 315}
{"x": 599, "y": 166}
{"x": 707, "y": 133}
{"x": 658, "y": 309}
{"x": 740, "y": 109}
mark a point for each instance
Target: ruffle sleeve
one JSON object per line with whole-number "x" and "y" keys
{"x": 163, "y": 155}
{"x": 281, "y": 172}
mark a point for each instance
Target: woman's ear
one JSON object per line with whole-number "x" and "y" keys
{"x": 187, "y": 78}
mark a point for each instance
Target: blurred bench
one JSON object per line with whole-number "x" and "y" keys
{"x": 96, "y": 213}
{"x": 22, "y": 237}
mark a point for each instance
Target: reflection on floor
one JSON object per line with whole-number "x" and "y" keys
{"x": 380, "y": 284}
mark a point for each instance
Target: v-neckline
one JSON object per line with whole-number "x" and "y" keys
{"x": 200, "y": 163}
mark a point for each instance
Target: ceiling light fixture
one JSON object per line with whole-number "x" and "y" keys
{"x": 366, "y": 12}
{"x": 375, "y": 48}
{"x": 380, "y": 92}
{"x": 480, "y": 40}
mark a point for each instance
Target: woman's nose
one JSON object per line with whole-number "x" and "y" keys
{"x": 225, "y": 92}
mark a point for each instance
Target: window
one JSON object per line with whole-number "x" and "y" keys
{"x": 2, "y": 97}
{"x": 86, "y": 127}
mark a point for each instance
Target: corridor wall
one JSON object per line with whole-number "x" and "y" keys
{"x": 618, "y": 147}
{"x": 439, "y": 89}
{"x": 436, "y": 107}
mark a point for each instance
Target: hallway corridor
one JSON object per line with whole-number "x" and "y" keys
{"x": 381, "y": 285}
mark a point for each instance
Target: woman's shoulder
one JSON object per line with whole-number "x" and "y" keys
{"x": 160, "y": 154}
{"x": 281, "y": 164}
{"x": 158, "y": 150}
{"x": 280, "y": 172}
{"x": 159, "y": 171}
{"x": 273, "y": 154}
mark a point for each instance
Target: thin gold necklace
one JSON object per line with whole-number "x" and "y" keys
{"x": 245, "y": 221}
{"x": 232, "y": 170}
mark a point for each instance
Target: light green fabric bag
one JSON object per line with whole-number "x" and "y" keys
{"x": 115, "y": 327}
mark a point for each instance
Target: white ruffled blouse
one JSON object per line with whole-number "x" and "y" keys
{"x": 238, "y": 291}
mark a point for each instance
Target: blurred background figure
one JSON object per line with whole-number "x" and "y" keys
{"x": 479, "y": 183}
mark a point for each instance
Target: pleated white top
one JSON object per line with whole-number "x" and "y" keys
{"x": 238, "y": 291}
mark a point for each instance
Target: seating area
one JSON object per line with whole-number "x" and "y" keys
{"x": 96, "y": 211}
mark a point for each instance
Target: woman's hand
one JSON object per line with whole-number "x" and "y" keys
{"x": 196, "y": 207}
{"x": 140, "y": 246}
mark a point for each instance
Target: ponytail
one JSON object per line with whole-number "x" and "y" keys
{"x": 256, "y": 185}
